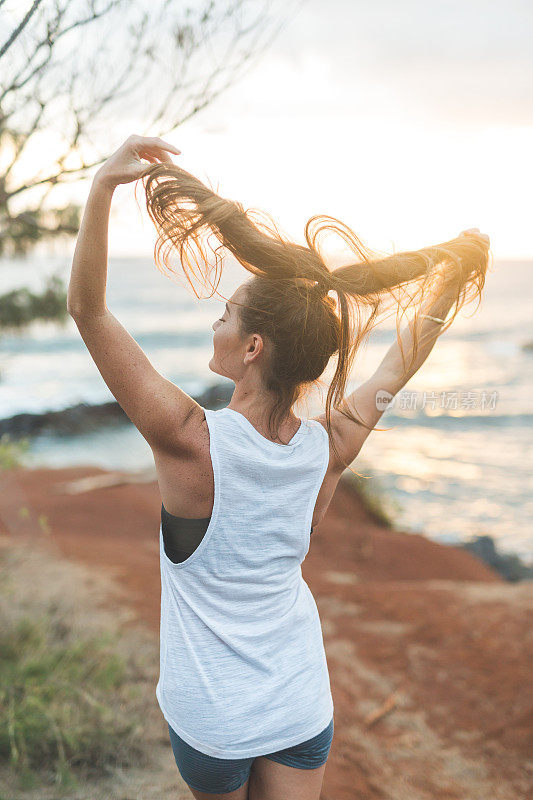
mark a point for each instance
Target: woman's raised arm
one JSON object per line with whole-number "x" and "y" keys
{"x": 417, "y": 339}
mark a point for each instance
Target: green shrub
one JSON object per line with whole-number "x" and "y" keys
{"x": 12, "y": 452}
{"x": 20, "y": 307}
{"x": 65, "y": 700}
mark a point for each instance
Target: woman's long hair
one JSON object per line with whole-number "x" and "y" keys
{"x": 288, "y": 301}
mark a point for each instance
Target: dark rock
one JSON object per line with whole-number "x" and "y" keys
{"x": 508, "y": 565}
{"x": 84, "y": 417}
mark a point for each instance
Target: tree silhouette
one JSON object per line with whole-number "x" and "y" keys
{"x": 78, "y": 76}
{"x": 73, "y": 73}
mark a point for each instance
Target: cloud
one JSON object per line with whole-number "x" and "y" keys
{"x": 468, "y": 61}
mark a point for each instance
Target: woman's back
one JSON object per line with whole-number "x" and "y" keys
{"x": 243, "y": 669}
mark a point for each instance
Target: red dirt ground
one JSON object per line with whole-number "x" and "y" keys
{"x": 429, "y": 650}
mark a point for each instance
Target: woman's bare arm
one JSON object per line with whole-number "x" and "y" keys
{"x": 393, "y": 363}
{"x": 369, "y": 401}
{"x": 401, "y": 360}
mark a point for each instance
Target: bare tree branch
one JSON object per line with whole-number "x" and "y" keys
{"x": 81, "y": 74}
{"x": 53, "y": 33}
{"x": 18, "y": 30}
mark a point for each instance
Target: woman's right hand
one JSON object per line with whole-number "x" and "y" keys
{"x": 477, "y": 233}
{"x": 470, "y": 260}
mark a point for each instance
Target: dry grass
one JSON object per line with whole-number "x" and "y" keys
{"x": 78, "y": 714}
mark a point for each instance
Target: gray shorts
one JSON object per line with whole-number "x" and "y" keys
{"x": 219, "y": 775}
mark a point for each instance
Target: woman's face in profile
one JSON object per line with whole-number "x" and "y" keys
{"x": 227, "y": 341}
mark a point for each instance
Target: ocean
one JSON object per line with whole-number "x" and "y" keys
{"x": 454, "y": 462}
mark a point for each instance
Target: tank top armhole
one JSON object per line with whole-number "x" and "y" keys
{"x": 322, "y": 474}
{"x": 213, "y": 452}
{"x": 325, "y": 434}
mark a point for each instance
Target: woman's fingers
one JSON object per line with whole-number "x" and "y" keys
{"x": 476, "y": 232}
{"x": 153, "y": 144}
{"x": 160, "y": 143}
{"x": 171, "y": 148}
{"x": 158, "y": 154}
{"x": 154, "y": 154}
{"x": 163, "y": 155}
{"x": 153, "y": 141}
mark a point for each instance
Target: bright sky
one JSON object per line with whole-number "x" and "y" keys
{"x": 410, "y": 121}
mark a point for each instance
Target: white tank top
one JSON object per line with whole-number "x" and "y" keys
{"x": 243, "y": 670}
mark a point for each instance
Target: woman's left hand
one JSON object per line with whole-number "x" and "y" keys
{"x": 125, "y": 165}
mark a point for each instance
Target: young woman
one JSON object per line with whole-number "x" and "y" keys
{"x": 244, "y": 684}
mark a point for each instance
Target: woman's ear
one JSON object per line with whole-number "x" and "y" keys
{"x": 254, "y": 348}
